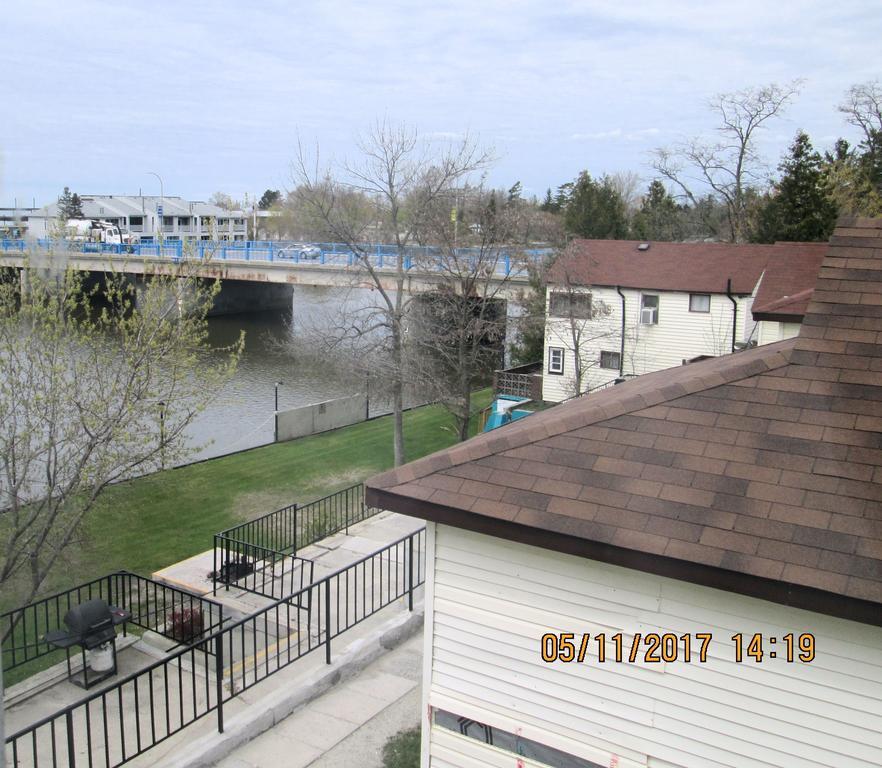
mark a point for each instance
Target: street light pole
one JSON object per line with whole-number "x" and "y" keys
{"x": 276, "y": 430}
{"x": 161, "y": 202}
{"x": 161, "y": 434}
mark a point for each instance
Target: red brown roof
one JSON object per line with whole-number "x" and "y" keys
{"x": 758, "y": 472}
{"x": 687, "y": 267}
{"x": 788, "y": 281}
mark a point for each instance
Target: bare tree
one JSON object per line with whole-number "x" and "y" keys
{"x": 403, "y": 177}
{"x": 731, "y": 166}
{"x": 583, "y": 321}
{"x": 863, "y": 109}
{"x": 88, "y": 398}
{"x": 628, "y": 184}
{"x": 225, "y": 201}
{"x": 460, "y": 326}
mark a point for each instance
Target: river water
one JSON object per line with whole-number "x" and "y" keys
{"x": 242, "y": 414}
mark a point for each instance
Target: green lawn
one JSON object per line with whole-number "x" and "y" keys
{"x": 146, "y": 524}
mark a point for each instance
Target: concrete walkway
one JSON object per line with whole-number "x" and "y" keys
{"x": 348, "y": 725}
{"x": 155, "y": 700}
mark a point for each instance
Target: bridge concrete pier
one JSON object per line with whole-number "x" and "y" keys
{"x": 238, "y": 296}
{"x": 235, "y": 297}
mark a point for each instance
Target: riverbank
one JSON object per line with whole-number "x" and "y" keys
{"x": 147, "y": 523}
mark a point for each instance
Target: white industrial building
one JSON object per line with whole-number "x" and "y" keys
{"x": 150, "y": 217}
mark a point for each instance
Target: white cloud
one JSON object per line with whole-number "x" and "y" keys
{"x": 215, "y": 90}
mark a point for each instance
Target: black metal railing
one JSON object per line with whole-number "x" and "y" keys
{"x": 124, "y": 720}
{"x": 332, "y": 514}
{"x": 177, "y": 614}
{"x": 174, "y": 613}
{"x": 258, "y": 546}
{"x": 259, "y": 570}
{"x": 275, "y": 530}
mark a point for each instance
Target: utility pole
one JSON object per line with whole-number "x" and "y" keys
{"x": 276, "y": 429}
{"x": 159, "y": 210}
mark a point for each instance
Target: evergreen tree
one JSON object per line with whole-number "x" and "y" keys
{"x": 799, "y": 207}
{"x": 76, "y": 207}
{"x": 529, "y": 343}
{"x": 596, "y": 209}
{"x": 548, "y": 204}
{"x": 69, "y": 205}
{"x": 659, "y": 217}
{"x": 269, "y": 198}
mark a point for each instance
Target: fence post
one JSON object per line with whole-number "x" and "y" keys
{"x": 327, "y": 621}
{"x": 71, "y": 755}
{"x": 214, "y": 571}
{"x": 294, "y": 532}
{"x": 410, "y": 573}
{"x": 219, "y": 675}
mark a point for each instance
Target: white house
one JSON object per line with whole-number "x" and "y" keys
{"x": 683, "y": 571}
{"x": 150, "y": 217}
{"x": 632, "y": 308}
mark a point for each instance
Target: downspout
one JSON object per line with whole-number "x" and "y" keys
{"x": 734, "y": 310}
{"x": 622, "y": 352}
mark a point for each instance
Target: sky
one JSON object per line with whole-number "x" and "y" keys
{"x": 213, "y": 96}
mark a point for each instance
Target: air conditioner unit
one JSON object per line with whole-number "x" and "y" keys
{"x": 647, "y": 316}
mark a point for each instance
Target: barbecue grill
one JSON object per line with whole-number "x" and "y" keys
{"x": 92, "y": 626}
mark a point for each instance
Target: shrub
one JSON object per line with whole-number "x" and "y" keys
{"x": 186, "y": 624}
{"x": 403, "y": 750}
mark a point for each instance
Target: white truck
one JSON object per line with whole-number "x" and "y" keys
{"x": 96, "y": 231}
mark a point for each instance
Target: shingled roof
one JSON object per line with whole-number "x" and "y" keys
{"x": 758, "y": 472}
{"x": 788, "y": 281}
{"x": 687, "y": 267}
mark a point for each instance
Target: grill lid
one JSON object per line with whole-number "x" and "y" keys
{"x": 91, "y": 623}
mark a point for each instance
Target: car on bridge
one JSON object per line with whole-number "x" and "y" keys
{"x": 299, "y": 251}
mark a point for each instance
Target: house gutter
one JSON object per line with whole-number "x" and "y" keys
{"x": 734, "y": 310}
{"x": 622, "y": 352}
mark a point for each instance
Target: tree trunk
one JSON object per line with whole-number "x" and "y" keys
{"x": 398, "y": 399}
{"x": 398, "y": 423}
{"x": 466, "y": 411}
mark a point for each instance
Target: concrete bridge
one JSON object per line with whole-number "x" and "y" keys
{"x": 261, "y": 275}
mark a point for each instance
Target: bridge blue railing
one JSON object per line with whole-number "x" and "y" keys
{"x": 333, "y": 254}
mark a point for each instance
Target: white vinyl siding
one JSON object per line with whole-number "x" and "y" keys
{"x": 770, "y": 331}
{"x": 679, "y": 335}
{"x": 492, "y": 600}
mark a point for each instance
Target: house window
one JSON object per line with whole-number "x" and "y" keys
{"x": 183, "y": 221}
{"x": 567, "y": 304}
{"x": 168, "y": 221}
{"x": 699, "y": 302}
{"x": 512, "y": 743}
{"x": 611, "y": 360}
{"x": 555, "y": 360}
{"x": 649, "y": 309}
{"x": 136, "y": 221}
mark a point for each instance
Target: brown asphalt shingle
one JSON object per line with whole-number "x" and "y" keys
{"x": 766, "y": 463}
{"x": 788, "y": 281}
{"x": 693, "y": 267}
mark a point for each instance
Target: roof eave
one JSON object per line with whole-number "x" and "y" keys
{"x": 775, "y": 591}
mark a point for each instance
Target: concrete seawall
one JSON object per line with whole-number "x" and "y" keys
{"x": 321, "y": 417}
